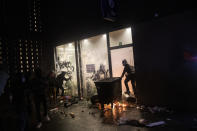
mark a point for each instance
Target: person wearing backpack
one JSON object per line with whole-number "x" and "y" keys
{"x": 129, "y": 72}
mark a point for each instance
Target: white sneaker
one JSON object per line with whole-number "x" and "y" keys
{"x": 47, "y": 118}
{"x": 39, "y": 125}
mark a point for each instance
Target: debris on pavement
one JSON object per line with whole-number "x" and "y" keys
{"x": 143, "y": 121}
{"x": 156, "y": 124}
{"x": 54, "y": 109}
{"x": 67, "y": 104}
{"x": 157, "y": 109}
{"x": 92, "y": 113}
{"x": 125, "y": 121}
{"x": 72, "y": 115}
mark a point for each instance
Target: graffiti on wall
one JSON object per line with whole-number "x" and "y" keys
{"x": 99, "y": 74}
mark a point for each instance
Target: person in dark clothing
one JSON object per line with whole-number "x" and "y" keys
{"x": 38, "y": 90}
{"x": 129, "y": 72}
{"x": 60, "y": 79}
{"x": 19, "y": 94}
{"x": 52, "y": 86}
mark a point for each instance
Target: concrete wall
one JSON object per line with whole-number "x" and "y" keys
{"x": 164, "y": 76}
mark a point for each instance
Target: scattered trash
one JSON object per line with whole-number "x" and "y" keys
{"x": 61, "y": 101}
{"x": 67, "y": 104}
{"x": 142, "y": 121}
{"x": 156, "y": 124}
{"x": 54, "y": 109}
{"x": 157, "y": 109}
{"x": 168, "y": 119}
{"x": 92, "y": 113}
{"x": 62, "y": 112}
{"x": 140, "y": 107}
{"x": 151, "y": 110}
{"x": 72, "y": 115}
{"x": 125, "y": 121}
{"x": 68, "y": 97}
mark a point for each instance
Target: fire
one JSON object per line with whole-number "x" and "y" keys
{"x": 118, "y": 104}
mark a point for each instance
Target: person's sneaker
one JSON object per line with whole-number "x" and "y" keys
{"x": 47, "y": 118}
{"x": 39, "y": 125}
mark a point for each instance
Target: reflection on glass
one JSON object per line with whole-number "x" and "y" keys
{"x": 94, "y": 58}
{"x": 65, "y": 61}
{"x": 120, "y": 37}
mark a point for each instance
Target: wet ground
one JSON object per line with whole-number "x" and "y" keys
{"x": 83, "y": 116}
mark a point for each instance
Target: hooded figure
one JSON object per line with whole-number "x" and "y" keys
{"x": 129, "y": 72}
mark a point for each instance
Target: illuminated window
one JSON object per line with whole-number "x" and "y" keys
{"x": 120, "y": 37}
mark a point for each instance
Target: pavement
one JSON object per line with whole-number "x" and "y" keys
{"x": 83, "y": 116}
